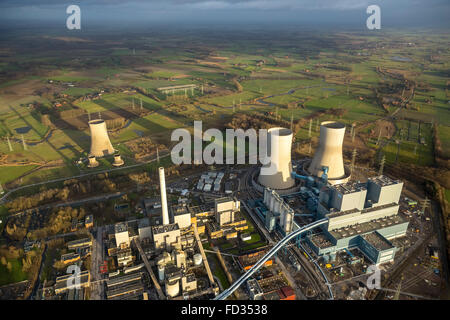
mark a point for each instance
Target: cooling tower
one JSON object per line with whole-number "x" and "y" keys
{"x": 329, "y": 153}
{"x": 92, "y": 162}
{"x": 277, "y": 174}
{"x": 117, "y": 160}
{"x": 162, "y": 186}
{"x": 100, "y": 144}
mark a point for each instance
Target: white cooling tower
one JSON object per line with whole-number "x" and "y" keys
{"x": 100, "y": 144}
{"x": 117, "y": 160}
{"x": 329, "y": 153}
{"x": 277, "y": 174}
{"x": 162, "y": 186}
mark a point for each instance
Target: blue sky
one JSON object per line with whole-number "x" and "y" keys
{"x": 405, "y": 13}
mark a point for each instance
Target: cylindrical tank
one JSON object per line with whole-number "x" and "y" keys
{"x": 198, "y": 259}
{"x": 161, "y": 272}
{"x": 277, "y": 173}
{"x": 173, "y": 288}
{"x": 329, "y": 152}
{"x": 100, "y": 143}
{"x": 162, "y": 186}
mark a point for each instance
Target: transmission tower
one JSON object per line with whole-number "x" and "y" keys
{"x": 292, "y": 121}
{"x": 354, "y": 153}
{"x": 132, "y": 103}
{"x": 382, "y": 162}
{"x": 141, "y": 104}
{"x": 309, "y": 150}
{"x": 425, "y": 205}
{"x": 398, "y": 150}
{"x": 9, "y": 144}
{"x": 353, "y": 135}
{"x": 24, "y": 144}
{"x": 379, "y": 137}
{"x": 157, "y": 155}
{"x": 310, "y": 125}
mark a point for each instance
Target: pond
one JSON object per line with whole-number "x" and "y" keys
{"x": 401, "y": 59}
{"x": 23, "y": 130}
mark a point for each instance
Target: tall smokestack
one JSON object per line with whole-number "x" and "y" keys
{"x": 329, "y": 153}
{"x": 100, "y": 143}
{"x": 162, "y": 186}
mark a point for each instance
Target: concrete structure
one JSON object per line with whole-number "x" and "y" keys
{"x": 180, "y": 258}
{"x": 172, "y": 288}
{"x": 329, "y": 153}
{"x": 144, "y": 229}
{"x": 278, "y": 207}
{"x": 67, "y": 282}
{"x": 124, "y": 257}
{"x": 277, "y": 173}
{"x": 89, "y": 221}
{"x": 189, "y": 283}
{"x": 225, "y": 210}
{"x": 162, "y": 186}
{"x": 254, "y": 289}
{"x": 100, "y": 144}
{"x": 92, "y": 162}
{"x": 121, "y": 234}
{"x": 117, "y": 160}
{"x": 181, "y": 216}
{"x": 166, "y": 237}
{"x": 198, "y": 259}
{"x": 363, "y": 216}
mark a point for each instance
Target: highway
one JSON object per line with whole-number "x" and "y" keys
{"x": 225, "y": 294}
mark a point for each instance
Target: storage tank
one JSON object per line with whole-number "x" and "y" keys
{"x": 100, "y": 143}
{"x": 161, "y": 272}
{"x": 173, "y": 288}
{"x": 329, "y": 153}
{"x": 198, "y": 259}
{"x": 277, "y": 173}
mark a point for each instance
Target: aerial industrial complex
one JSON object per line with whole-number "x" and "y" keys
{"x": 282, "y": 231}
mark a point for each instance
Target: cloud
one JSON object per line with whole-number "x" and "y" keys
{"x": 229, "y": 4}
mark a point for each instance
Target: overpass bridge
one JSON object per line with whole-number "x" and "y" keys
{"x": 226, "y": 293}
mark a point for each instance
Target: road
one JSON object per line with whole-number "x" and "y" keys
{"x": 97, "y": 256}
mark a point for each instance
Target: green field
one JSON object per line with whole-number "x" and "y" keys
{"x": 16, "y": 274}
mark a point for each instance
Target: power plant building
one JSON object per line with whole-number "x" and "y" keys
{"x": 359, "y": 215}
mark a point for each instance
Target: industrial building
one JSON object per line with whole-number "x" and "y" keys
{"x": 67, "y": 282}
{"x": 126, "y": 287}
{"x": 363, "y": 216}
{"x": 121, "y": 235}
{"x": 360, "y": 215}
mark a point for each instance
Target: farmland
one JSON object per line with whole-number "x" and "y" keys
{"x": 45, "y": 106}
